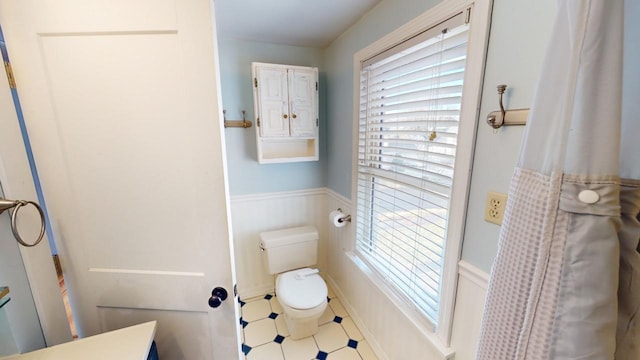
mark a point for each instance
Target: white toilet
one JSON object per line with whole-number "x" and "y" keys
{"x": 301, "y": 291}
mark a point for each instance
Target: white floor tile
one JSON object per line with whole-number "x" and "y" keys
{"x": 331, "y": 337}
{"x": 256, "y": 310}
{"x": 275, "y": 305}
{"x": 337, "y": 308}
{"x": 365, "y": 351}
{"x": 351, "y": 329}
{"x": 271, "y": 351}
{"x": 327, "y": 316}
{"x": 346, "y": 353}
{"x": 281, "y": 325}
{"x": 260, "y": 332}
{"x": 299, "y": 349}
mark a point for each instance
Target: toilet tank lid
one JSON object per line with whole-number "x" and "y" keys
{"x": 270, "y": 239}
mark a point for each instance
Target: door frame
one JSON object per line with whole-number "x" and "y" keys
{"x": 38, "y": 261}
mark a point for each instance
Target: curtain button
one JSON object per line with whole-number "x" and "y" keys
{"x": 588, "y": 196}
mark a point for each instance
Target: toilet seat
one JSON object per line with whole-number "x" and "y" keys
{"x": 301, "y": 292}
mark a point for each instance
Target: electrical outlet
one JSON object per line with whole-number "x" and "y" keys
{"x": 494, "y": 208}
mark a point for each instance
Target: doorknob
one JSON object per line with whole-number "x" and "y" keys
{"x": 218, "y": 295}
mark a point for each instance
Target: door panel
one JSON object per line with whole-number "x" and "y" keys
{"x": 302, "y": 92}
{"x": 273, "y": 102}
{"x": 124, "y": 113}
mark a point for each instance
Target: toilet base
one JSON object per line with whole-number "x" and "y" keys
{"x": 302, "y": 323}
{"x": 301, "y": 328}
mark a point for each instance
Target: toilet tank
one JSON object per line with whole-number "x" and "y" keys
{"x": 289, "y": 249}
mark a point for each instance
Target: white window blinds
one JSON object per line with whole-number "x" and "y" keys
{"x": 410, "y": 100}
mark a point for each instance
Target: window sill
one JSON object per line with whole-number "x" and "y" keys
{"x": 423, "y": 326}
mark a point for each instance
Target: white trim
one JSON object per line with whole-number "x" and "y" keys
{"x": 474, "y": 76}
{"x": 473, "y": 274}
{"x": 474, "y": 72}
{"x": 338, "y": 197}
{"x": 254, "y": 292}
{"x": 277, "y": 195}
{"x": 146, "y": 272}
{"x": 429, "y": 18}
{"x": 411, "y": 314}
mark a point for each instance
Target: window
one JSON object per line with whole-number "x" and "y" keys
{"x": 410, "y": 111}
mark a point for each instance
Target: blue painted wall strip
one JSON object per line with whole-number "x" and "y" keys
{"x": 27, "y": 146}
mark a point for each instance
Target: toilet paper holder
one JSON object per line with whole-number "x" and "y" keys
{"x": 346, "y": 218}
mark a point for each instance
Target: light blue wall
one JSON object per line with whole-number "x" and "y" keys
{"x": 246, "y": 176}
{"x": 519, "y": 32}
{"x": 381, "y": 20}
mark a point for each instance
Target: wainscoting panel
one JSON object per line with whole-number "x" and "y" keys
{"x": 472, "y": 288}
{"x": 253, "y": 214}
{"x": 392, "y": 333}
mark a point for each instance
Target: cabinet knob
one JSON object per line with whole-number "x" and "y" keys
{"x": 294, "y": 116}
{"x": 285, "y": 116}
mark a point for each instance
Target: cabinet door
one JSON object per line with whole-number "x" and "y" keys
{"x": 303, "y": 100}
{"x": 273, "y": 101}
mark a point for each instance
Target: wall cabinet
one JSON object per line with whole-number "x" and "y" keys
{"x": 286, "y": 107}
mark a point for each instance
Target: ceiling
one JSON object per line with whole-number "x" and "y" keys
{"x": 292, "y": 22}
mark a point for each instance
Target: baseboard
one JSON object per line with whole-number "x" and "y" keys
{"x": 255, "y": 292}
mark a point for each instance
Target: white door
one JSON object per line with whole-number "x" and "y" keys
{"x": 273, "y": 101}
{"x": 122, "y": 103}
{"x": 303, "y": 99}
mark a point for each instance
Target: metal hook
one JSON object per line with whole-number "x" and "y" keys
{"x": 498, "y": 119}
{"x": 224, "y": 117}
{"x": 492, "y": 119}
{"x": 245, "y": 123}
{"x": 501, "y": 90}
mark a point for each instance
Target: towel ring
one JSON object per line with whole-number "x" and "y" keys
{"x": 16, "y": 205}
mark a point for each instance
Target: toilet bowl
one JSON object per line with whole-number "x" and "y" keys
{"x": 301, "y": 291}
{"x": 302, "y": 294}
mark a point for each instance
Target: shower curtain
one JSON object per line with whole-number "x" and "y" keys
{"x": 566, "y": 280}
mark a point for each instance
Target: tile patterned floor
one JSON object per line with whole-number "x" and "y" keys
{"x": 266, "y": 337}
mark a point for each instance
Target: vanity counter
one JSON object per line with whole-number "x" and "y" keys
{"x": 131, "y": 343}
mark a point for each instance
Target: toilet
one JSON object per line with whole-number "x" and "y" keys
{"x": 302, "y": 293}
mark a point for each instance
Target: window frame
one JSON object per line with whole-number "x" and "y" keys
{"x": 469, "y": 114}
